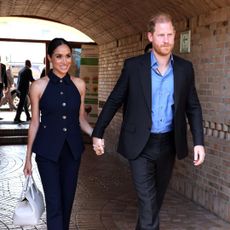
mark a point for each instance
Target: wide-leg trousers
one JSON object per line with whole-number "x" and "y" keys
{"x": 151, "y": 173}
{"x": 59, "y": 180}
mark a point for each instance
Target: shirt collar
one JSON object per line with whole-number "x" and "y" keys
{"x": 154, "y": 60}
{"x": 55, "y": 79}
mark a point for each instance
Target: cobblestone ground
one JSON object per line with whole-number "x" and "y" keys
{"x": 105, "y": 198}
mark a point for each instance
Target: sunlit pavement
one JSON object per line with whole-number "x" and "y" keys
{"x": 7, "y": 117}
{"x": 105, "y": 197}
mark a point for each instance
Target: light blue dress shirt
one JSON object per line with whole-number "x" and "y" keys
{"x": 162, "y": 97}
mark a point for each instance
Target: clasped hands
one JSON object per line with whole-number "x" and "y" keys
{"x": 98, "y": 145}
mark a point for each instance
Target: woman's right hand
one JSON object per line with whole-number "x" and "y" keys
{"x": 28, "y": 168}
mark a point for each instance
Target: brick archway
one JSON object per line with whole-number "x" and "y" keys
{"x": 106, "y": 21}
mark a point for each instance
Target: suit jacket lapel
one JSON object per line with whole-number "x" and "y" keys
{"x": 145, "y": 78}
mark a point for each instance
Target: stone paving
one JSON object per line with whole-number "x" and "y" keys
{"x": 105, "y": 198}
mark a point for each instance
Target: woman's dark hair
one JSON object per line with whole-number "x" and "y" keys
{"x": 55, "y": 43}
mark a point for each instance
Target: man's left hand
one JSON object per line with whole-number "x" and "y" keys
{"x": 199, "y": 155}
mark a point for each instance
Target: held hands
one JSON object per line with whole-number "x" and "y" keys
{"x": 98, "y": 145}
{"x": 199, "y": 155}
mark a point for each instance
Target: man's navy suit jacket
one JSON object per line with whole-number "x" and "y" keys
{"x": 134, "y": 88}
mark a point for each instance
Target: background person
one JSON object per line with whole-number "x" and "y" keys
{"x": 25, "y": 76}
{"x": 57, "y": 139}
{"x": 3, "y": 80}
{"x": 43, "y": 73}
{"x": 7, "y": 94}
{"x": 148, "y": 47}
{"x": 159, "y": 90}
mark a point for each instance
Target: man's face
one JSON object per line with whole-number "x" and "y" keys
{"x": 162, "y": 38}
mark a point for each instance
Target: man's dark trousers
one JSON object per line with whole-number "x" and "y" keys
{"x": 151, "y": 173}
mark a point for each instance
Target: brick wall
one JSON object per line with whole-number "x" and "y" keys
{"x": 208, "y": 185}
{"x": 111, "y": 58}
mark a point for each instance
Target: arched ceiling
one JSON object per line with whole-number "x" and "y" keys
{"x": 107, "y": 20}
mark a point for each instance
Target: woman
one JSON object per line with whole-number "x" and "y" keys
{"x": 58, "y": 101}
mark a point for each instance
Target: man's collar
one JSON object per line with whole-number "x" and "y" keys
{"x": 154, "y": 60}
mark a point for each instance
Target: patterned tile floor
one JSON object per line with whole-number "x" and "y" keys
{"x": 105, "y": 199}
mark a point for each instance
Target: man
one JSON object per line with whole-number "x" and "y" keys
{"x": 3, "y": 80}
{"x": 148, "y": 47}
{"x": 43, "y": 73}
{"x": 160, "y": 93}
{"x": 24, "y": 78}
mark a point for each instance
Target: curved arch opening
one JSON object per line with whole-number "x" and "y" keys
{"x": 38, "y": 29}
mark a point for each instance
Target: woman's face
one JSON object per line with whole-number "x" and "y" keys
{"x": 61, "y": 60}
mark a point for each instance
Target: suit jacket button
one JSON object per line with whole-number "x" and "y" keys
{"x": 64, "y": 129}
